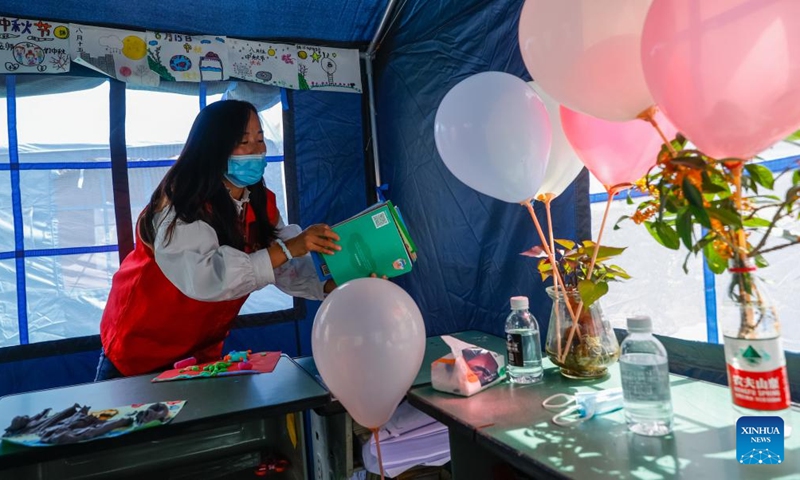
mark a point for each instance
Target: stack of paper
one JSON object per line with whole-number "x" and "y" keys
{"x": 409, "y": 439}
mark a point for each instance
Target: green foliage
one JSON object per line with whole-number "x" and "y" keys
{"x": 722, "y": 208}
{"x": 573, "y": 261}
{"x": 795, "y": 137}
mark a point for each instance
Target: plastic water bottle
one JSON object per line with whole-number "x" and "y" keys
{"x": 522, "y": 344}
{"x": 645, "y": 380}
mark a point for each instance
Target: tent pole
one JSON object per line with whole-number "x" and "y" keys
{"x": 379, "y": 33}
{"x": 368, "y": 56}
{"x": 373, "y": 121}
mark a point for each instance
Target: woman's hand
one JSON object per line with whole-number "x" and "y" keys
{"x": 316, "y": 238}
{"x": 329, "y": 286}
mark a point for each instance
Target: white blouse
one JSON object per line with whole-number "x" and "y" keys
{"x": 202, "y": 269}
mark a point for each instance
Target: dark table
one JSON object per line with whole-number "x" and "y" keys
{"x": 507, "y": 425}
{"x": 332, "y": 429}
{"x": 434, "y": 349}
{"x": 225, "y": 417}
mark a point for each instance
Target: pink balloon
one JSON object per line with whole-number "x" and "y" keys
{"x": 368, "y": 342}
{"x": 586, "y": 54}
{"x": 726, "y": 72}
{"x": 617, "y": 153}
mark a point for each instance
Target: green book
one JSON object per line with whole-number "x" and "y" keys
{"x": 375, "y": 240}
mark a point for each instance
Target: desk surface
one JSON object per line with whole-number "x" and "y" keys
{"x": 509, "y": 421}
{"x": 208, "y": 401}
{"x": 434, "y": 348}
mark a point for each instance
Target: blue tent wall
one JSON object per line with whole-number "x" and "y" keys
{"x": 330, "y": 168}
{"x": 469, "y": 244}
{"x": 345, "y": 22}
{"x": 47, "y": 372}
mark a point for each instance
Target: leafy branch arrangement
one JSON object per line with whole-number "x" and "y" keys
{"x": 734, "y": 203}
{"x": 579, "y": 342}
{"x": 574, "y": 260}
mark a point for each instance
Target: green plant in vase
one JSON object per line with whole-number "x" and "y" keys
{"x": 727, "y": 210}
{"x": 579, "y": 339}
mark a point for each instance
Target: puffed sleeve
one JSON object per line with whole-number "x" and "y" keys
{"x": 201, "y": 268}
{"x": 297, "y": 277}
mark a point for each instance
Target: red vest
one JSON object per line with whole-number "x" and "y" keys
{"x": 148, "y": 324}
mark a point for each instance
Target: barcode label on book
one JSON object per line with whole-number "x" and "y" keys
{"x": 380, "y": 220}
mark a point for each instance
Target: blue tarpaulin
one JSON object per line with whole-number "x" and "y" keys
{"x": 470, "y": 244}
{"x": 328, "y": 21}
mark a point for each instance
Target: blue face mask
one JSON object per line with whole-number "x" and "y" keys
{"x": 245, "y": 170}
{"x": 583, "y": 405}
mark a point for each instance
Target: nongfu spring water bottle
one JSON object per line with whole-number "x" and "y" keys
{"x": 645, "y": 380}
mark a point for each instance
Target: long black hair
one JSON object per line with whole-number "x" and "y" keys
{"x": 193, "y": 185}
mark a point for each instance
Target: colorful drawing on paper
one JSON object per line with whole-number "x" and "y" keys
{"x": 267, "y": 63}
{"x": 33, "y": 46}
{"x": 324, "y": 68}
{"x": 188, "y": 58}
{"x": 78, "y": 424}
{"x": 119, "y": 54}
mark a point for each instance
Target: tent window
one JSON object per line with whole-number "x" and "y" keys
{"x": 685, "y": 305}
{"x": 59, "y": 243}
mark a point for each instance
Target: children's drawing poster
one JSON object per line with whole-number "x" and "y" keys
{"x": 120, "y": 54}
{"x": 188, "y": 58}
{"x": 33, "y": 46}
{"x": 324, "y": 68}
{"x": 268, "y": 63}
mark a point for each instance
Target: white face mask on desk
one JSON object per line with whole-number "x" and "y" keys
{"x": 583, "y": 405}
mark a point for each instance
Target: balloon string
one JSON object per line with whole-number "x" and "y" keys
{"x": 548, "y": 199}
{"x": 378, "y": 447}
{"x": 557, "y": 279}
{"x": 649, "y": 116}
{"x": 612, "y": 191}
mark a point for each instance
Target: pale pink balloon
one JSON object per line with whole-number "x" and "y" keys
{"x": 617, "y": 153}
{"x": 586, "y": 54}
{"x": 368, "y": 342}
{"x": 726, "y": 72}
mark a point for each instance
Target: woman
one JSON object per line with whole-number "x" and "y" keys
{"x": 210, "y": 235}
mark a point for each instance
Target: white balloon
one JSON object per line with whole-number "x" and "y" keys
{"x": 368, "y": 342}
{"x": 563, "y": 165}
{"x": 493, "y": 134}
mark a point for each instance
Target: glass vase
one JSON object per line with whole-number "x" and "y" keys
{"x": 754, "y": 356}
{"x": 583, "y": 348}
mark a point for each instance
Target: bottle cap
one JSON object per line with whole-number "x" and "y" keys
{"x": 640, "y": 323}
{"x": 519, "y": 303}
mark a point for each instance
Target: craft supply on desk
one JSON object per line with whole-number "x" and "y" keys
{"x": 234, "y": 363}
{"x": 467, "y": 369}
{"x": 79, "y": 424}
